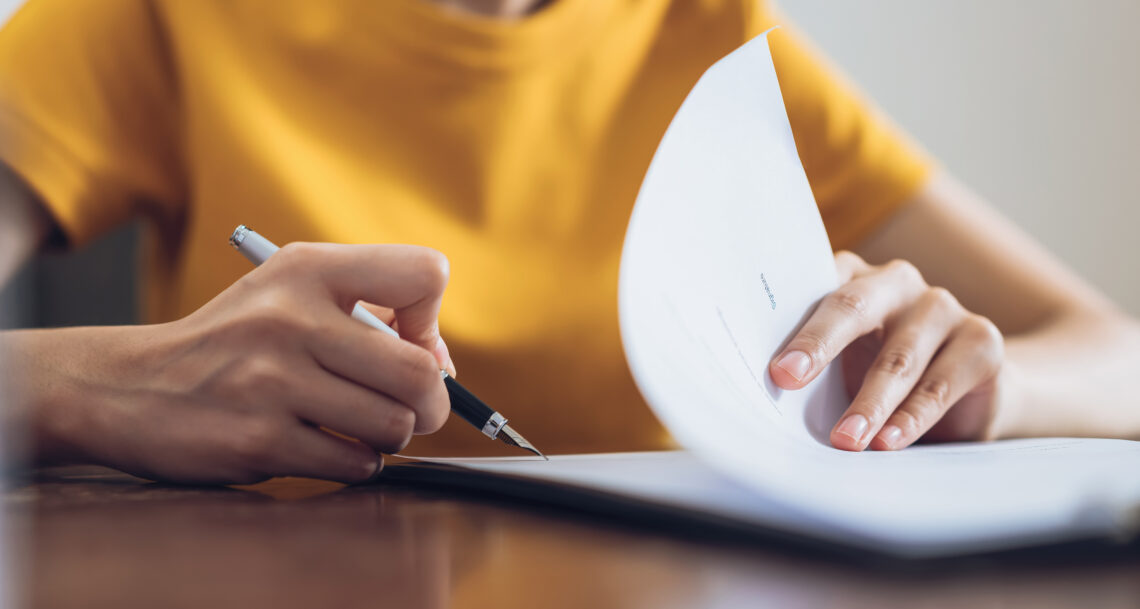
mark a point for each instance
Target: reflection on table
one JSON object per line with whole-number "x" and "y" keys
{"x": 95, "y": 538}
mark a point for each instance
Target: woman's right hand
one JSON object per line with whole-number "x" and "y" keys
{"x": 270, "y": 378}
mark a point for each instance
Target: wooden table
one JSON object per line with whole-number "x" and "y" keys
{"x": 89, "y": 537}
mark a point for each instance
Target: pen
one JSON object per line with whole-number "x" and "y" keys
{"x": 258, "y": 249}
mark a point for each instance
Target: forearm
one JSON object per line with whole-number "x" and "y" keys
{"x": 49, "y": 399}
{"x": 1073, "y": 377}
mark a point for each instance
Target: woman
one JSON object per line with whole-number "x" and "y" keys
{"x": 510, "y": 137}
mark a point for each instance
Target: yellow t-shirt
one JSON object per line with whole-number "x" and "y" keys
{"x": 514, "y": 147}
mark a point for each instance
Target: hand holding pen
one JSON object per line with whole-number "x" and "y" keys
{"x": 250, "y": 385}
{"x": 258, "y": 249}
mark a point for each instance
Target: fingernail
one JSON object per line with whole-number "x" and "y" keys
{"x": 444, "y": 356}
{"x": 373, "y": 470}
{"x": 853, "y": 427}
{"x": 795, "y": 363}
{"x": 890, "y": 435}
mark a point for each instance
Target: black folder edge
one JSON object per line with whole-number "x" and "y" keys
{"x": 516, "y": 491}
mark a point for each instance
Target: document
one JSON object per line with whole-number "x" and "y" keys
{"x": 724, "y": 258}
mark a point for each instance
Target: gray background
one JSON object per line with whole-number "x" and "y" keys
{"x": 1031, "y": 103}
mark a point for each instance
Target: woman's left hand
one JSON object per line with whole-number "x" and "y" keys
{"x": 915, "y": 360}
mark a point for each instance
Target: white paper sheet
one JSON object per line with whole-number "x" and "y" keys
{"x": 904, "y": 522}
{"x": 725, "y": 256}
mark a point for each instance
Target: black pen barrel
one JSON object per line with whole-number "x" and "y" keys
{"x": 466, "y": 405}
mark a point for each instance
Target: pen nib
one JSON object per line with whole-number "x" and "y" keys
{"x": 512, "y": 437}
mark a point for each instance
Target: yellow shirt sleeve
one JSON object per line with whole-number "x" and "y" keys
{"x": 88, "y": 112}
{"x": 860, "y": 166}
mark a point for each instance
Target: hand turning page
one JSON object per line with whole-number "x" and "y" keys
{"x": 724, "y": 258}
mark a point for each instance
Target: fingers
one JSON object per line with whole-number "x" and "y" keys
{"x": 311, "y": 453}
{"x": 934, "y": 353}
{"x": 855, "y": 309}
{"x": 384, "y": 364}
{"x": 408, "y": 279}
{"x": 388, "y": 316}
{"x": 253, "y": 448}
{"x": 375, "y": 419}
{"x": 910, "y": 346}
{"x": 384, "y": 314}
{"x": 848, "y": 265}
{"x": 972, "y": 356}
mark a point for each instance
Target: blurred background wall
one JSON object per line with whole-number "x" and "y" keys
{"x": 1031, "y": 103}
